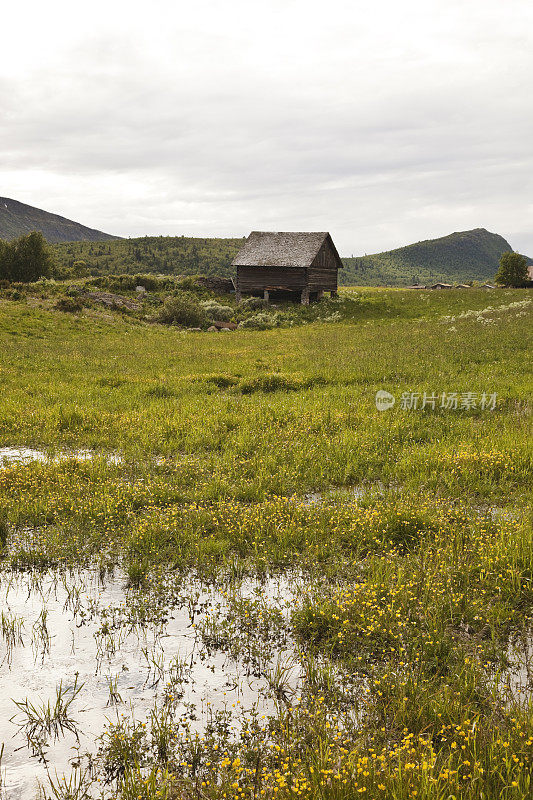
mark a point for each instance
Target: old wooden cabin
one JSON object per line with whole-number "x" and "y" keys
{"x": 299, "y": 266}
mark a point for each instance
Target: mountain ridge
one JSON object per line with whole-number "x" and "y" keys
{"x": 457, "y": 257}
{"x": 18, "y": 219}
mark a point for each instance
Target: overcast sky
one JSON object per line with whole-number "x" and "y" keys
{"x": 381, "y": 121}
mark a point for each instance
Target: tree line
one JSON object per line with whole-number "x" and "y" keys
{"x": 25, "y": 259}
{"x": 29, "y": 258}
{"x": 169, "y": 255}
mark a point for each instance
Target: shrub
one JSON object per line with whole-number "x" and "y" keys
{"x": 335, "y": 317}
{"x": 217, "y": 311}
{"x": 122, "y": 283}
{"x": 189, "y": 284}
{"x": 253, "y": 304}
{"x": 69, "y": 304}
{"x": 148, "y": 282}
{"x": 16, "y": 294}
{"x": 261, "y": 322}
{"x": 181, "y": 309}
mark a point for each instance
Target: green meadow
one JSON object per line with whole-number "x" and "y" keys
{"x": 236, "y": 456}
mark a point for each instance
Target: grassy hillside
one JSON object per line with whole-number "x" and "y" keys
{"x": 17, "y": 219}
{"x": 469, "y": 255}
{"x": 462, "y": 256}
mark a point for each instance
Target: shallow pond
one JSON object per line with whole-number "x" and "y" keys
{"x": 347, "y": 494}
{"x": 10, "y": 456}
{"x": 76, "y": 629}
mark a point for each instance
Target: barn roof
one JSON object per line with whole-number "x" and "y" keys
{"x": 289, "y": 249}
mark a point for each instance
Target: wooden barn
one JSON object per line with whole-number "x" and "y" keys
{"x": 299, "y": 266}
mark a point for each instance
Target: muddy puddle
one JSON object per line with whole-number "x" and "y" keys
{"x": 62, "y": 632}
{"x": 10, "y": 456}
{"x": 345, "y": 494}
{"x": 517, "y": 679}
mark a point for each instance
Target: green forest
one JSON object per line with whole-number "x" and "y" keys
{"x": 166, "y": 255}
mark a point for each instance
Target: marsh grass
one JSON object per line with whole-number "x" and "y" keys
{"x": 114, "y": 694}
{"x": 123, "y": 745}
{"x": 11, "y": 629}
{"x": 78, "y": 785}
{"x": 41, "y": 639}
{"x": 151, "y": 784}
{"x": 49, "y": 719}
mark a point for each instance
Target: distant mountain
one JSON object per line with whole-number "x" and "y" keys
{"x": 463, "y": 256}
{"x": 17, "y": 219}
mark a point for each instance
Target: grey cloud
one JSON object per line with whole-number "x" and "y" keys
{"x": 383, "y": 154}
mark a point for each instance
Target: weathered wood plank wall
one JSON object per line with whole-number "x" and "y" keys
{"x": 256, "y": 278}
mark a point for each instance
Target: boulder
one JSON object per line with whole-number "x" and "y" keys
{"x": 224, "y": 326}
